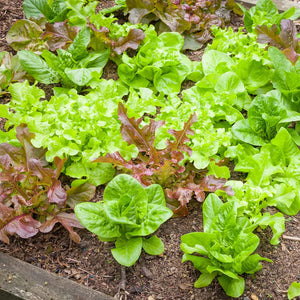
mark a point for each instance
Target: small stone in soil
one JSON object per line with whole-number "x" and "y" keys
{"x": 147, "y": 272}
{"x": 254, "y": 297}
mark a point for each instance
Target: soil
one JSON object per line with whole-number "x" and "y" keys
{"x": 151, "y": 278}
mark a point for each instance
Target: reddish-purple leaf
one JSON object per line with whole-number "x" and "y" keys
{"x": 288, "y": 34}
{"x": 286, "y": 40}
{"x": 16, "y": 154}
{"x": 67, "y": 220}
{"x": 132, "y": 41}
{"x": 143, "y": 138}
{"x": 56, "y": 194}
{"x": 116, "y": 159}
{"x": 136, "y": 15}
{"x": 183, "y": 196}
{"x": 45, "y": 175}
{"x": 184, "y": 190}
{"x": 211, "y": 184}
{"x": 59, "y": 35}
{"x": 26, "y": 35}
{"x": 59, "y": 164}
{"x": 24, "y": 226}
{"x": 291, "y": 55}
{"x": 6, "y": 213}
{"x": 269, "y": 36}
{"x": 5, "y": 191}
{"x": 193, "y": 19}
{"x": 25, "y": 137}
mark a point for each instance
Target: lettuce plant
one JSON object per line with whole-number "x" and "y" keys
{"x": 266, "y": 13}
{"x": 266, "y": 115}
{"x": 286, "y": 78}
{"x": 286, "y": 40}
{"x": 36, "y": 34}
{"x": 224, "y": 250}
{"x": 32, "y": 199}
{"x": 165, "y": 166}
{"x": 78, "y": 127}
{"x": 106, "y": 32}
{"x": 275, "y": 168}
{"x": 238, "y": 44}
{"x": 159, "y": 64}
{"x": 251, "y": 202}
{"x": 193, "y": 19}
{"x": 53, "y": 11}
{"x": 73, "y": 67}
{"x": 27, "y": 35}
{"x": 10, "y": 70}
{"x": 127, "y": 214}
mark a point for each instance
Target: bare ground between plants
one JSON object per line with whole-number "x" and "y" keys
{"x": 152, "y": 278}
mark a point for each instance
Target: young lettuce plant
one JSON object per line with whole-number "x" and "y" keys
{"x": 165, "y": 166}
{"x": 224, "y": 250}
{"x": 32, "y": 199}
{"x": 266, "y": 13}
{"x": 74, "y": 67}
{"x": 79, "y": 127}
{"x": 274, "y": 168}
{"x": 28, "y": 34}
{"x": 266, "y": 115}
{"x": 251, "y": 202}
{"x": 159, "y": 64}
{"x": 286, "y": 78}
{"x": 127, "y": 214}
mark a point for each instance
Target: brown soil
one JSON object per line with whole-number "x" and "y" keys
{"x": 152, "y": 278}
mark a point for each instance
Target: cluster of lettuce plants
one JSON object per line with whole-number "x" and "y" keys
{"x": 240, "y": 105}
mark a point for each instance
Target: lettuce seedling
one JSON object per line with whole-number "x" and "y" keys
{"x": 224, "y": 249}
{"x": 31, "y": 196}
{"x": 127, "y": 214}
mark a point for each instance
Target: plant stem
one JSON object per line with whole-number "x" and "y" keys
{"x": 123, "y": 278}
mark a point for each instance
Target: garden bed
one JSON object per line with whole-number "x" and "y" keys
{"x": 91, "y": 263}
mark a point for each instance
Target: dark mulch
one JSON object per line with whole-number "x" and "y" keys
{"x": 152, "y": 278}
